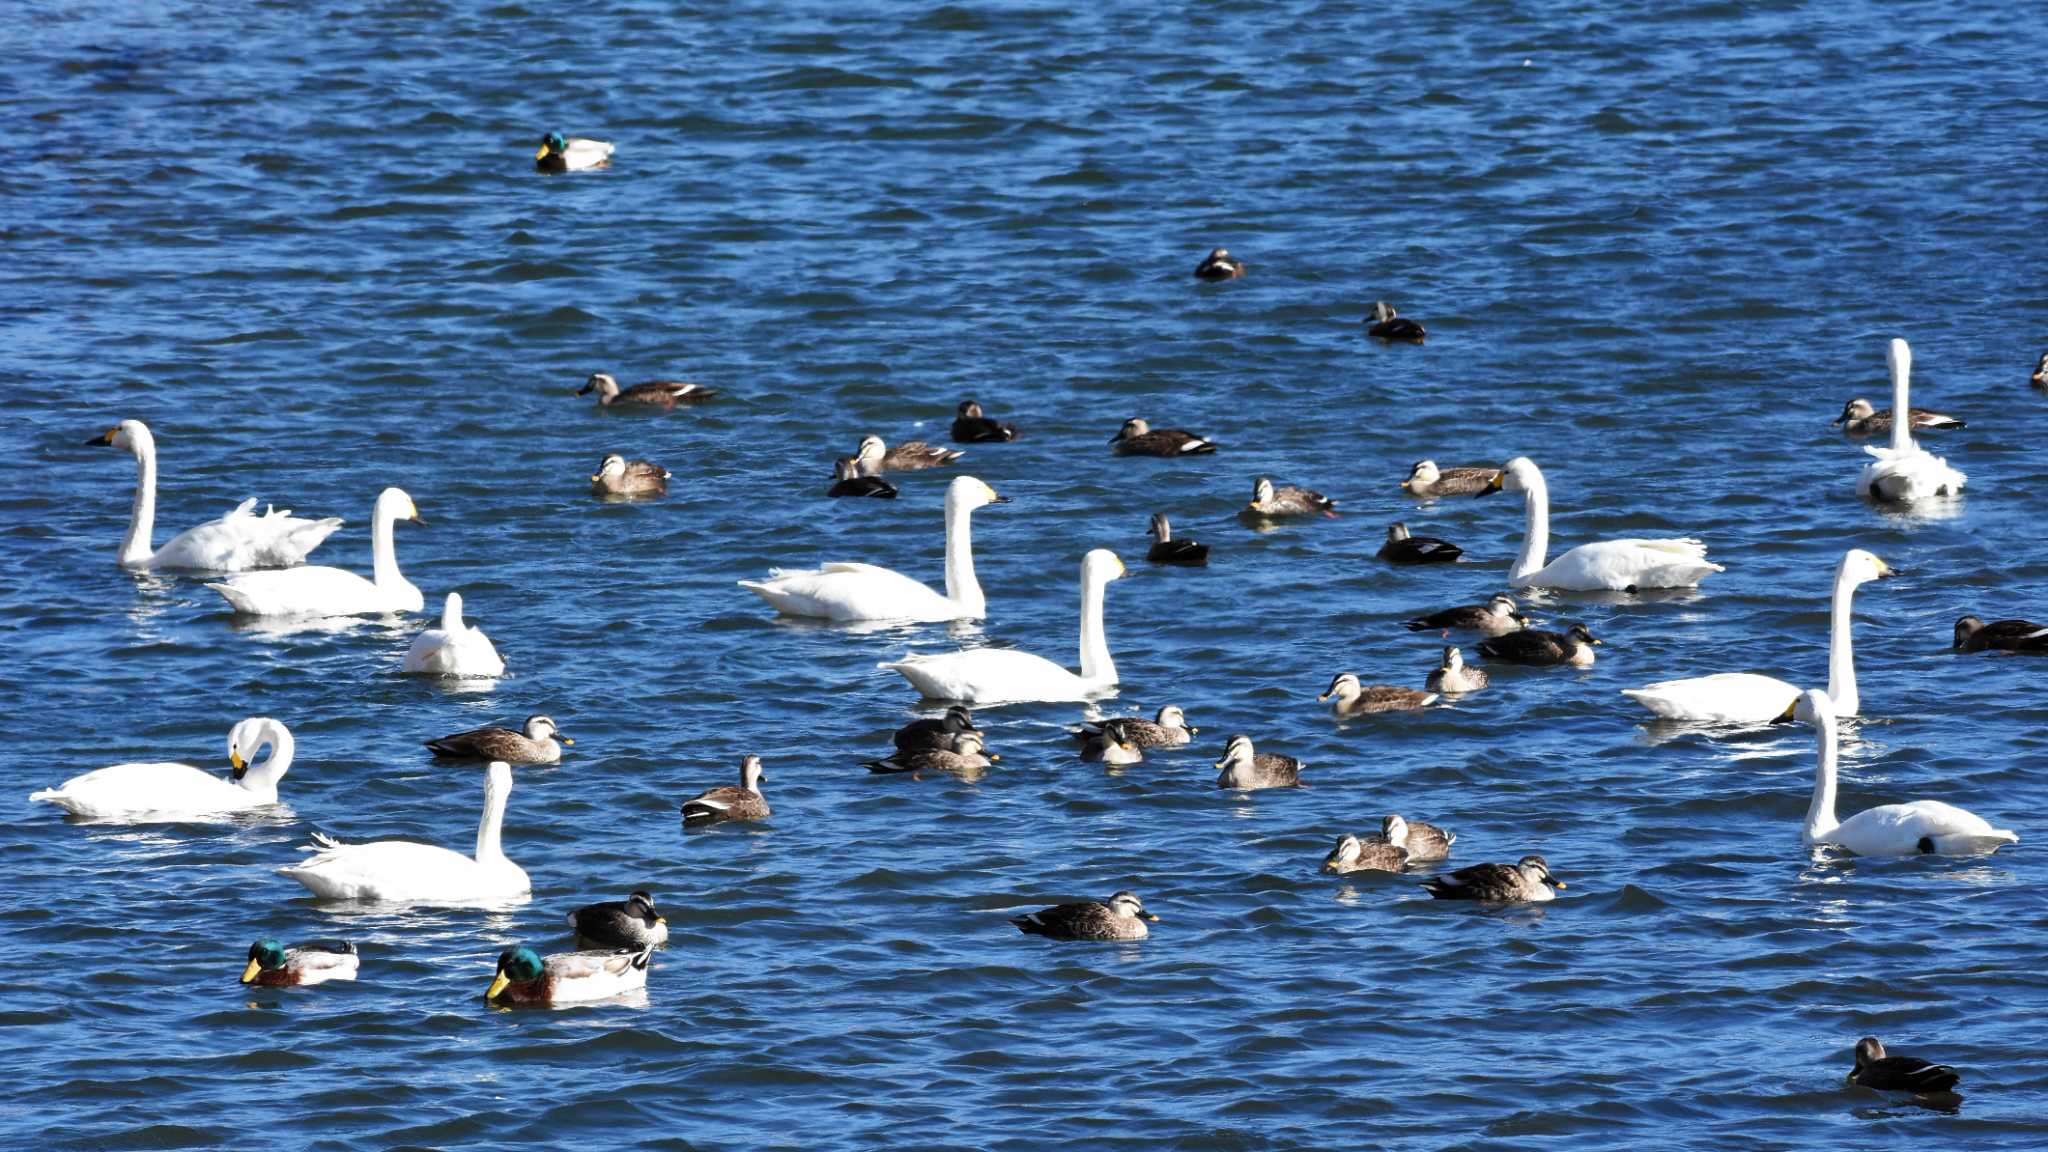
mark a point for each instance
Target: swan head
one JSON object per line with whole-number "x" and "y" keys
{"x": 750, "y": 773}
{"x": 539, "y": 728}
{"x": 1394, "y": 830}
{"x": 1126, "y": 904}
{"x": 1348, "y": 849}
{"x": 1814, "y": 707}
{"x": 1343, "y": 686}
{"x": 969, "y": 410}
{"x": 871, "y": 448}
{"x": 246, "y": 742}
{"x": 1382, "y": 311}
{"x": 1517, "y": 475}
{"x": 131, "y": 436}
{"x": 520, "y": 964}
{"x": 265, "y": 955}
{"x": 1860, "y": 567}
{"x": 612, "y": 466}
{"x": 1132, "y": 429}
{"x": 1421, "y": 474}
{"x": 603, "y": 383}
{"x": 1535, "y": 871}
{"x": 396, "y": 505}
{"x": 1396, "y": 533}
{"x": 1453, "y": 659}
{"x": 1854, "y": 410}
{"x": 1172, "y": 717}
{"x": 1160, "y": 529}
{"x": 967, "y": 492}
{"x": 1100, "y": 566}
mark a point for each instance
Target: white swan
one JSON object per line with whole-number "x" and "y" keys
{"x": 1607, "y": 565}
{"x": 335, "y": 591}
{"x": 163, "y": 793}
{"x": 408, "y": 872}
{"x": 453, "y": 649}
{"x": 1747, "y": 698}
{"x": 1905, "y": 471}
{"x": 1910, "y": 829}
{"x": 1004, "y": 675}
{"x": 237, "y": 542}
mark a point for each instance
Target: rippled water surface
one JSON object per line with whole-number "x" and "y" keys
{"x": 1656, "y": 248}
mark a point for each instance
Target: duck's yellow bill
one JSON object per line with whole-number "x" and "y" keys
{"x": 564, "y": 739}
{"x": 497, "y": 986}
{"x": 249, "y": 973}
{"x": 542, "y": 154}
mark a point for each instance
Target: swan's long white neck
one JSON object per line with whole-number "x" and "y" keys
{"x": 137, "y": 546}
{"x": 1096, "y": 666}
{"x": 1535, "y": 525}
{"x": 451, "y": 613}
{"x": 383, "y": 554}
{"x": 262, "y": 777}
{"x": 1900, "y": 359}
{"x": 497, "y": 789}
{"x": 1820, "y": 814}
{"x": 961, "y": 586}
{"x": 1841, "y": 660}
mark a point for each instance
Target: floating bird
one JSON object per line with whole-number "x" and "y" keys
{"x": 1370, "y": 855}
{"x": 1905, "y": 471}
{"x": 1609, "y": 565}
{"x": 1974, "y": 635}
{"x": 847, "y": 481}
{"x": 1392, "y": 328}
{"x": 523, "y": 977}
{"x": 873, "y": 457}
{"x": 662, "y": 394}
{"x": 1859, "y": 419}
{"x": 1169, "y": 730}
{"x": 272, "y": 965}
{"x": 1350, "y": 698}
{"x": 1915, "y": 828}
{"x": 1426, "y": 479}
{"x": 454, "y": 649}
{"x": 1493, "y": 618}
{"x": 1123, "y": 917}
{"x": 159, "y": 793}
{"x": 964, "y": 755}
{"x": 1423, "y": 841}
{"x": 1137, "y": 438}
{"x": 1875, "y": 1069}
{"x": 1166, "y": 550}
{"x": 540, "y": 743}
{"x": 1005, "y": 675}
{"x": 1243, "y": 769}
{"x": 714, "y": 805}
{"x": 1285, "y": 502}
{"x": 1111, "y": 743}
{"x": 322, "y": 591}
{"x": 1218, "y": 265}
{"x": 560, "y": 153}
{"x": 936, "y": 733}
{"x": 2040, "y": 376}
{"x": 1533, "y": 646}
{"x": 618, "y": 476}
{"x": 237, "y": 542}
{"x": 407, "y": 872}
{"x": 1401, "y": 548}
{"x": 1454, "y": 677}
{"x": 971, "y": 427}
{"x": 1527, "y": 880}
{"x": 630, "y": 923}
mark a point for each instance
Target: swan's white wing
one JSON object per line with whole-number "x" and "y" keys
{"x": 1617, "y": 565}
{"x": 243, "y": 542}
{"x": 990, "y": 675}
{"x": 1912, "y": 474}
{"x": 853, "y": 592}
{"x": 149, "y": 791}
{"x": 469, "y": 654}
{"x": 1904, "y": 829}
{"x": 399, "y": 871}
{"x": 1727, "y": 698}
{"x": 316, "y": 591}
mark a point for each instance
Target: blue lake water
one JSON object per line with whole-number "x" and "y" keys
{"x": 1656, "y": 248}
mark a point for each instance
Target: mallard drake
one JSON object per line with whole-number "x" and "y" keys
{"x": 630, "y": 923}
{"x": 937, "y": 732}
{"x": 963, "y": 754}
{"x": 272, "y": 965}
{"x": 1401, "y": 548}
{"x": 1423, "y": 841}
{"x": 874, "y": 457}
{"x": 524, "y": 978}
{"x": 559, "y": 153}
{"x": 726, "y": 802}
{"x": 971, "y": 427}
{"x": 1860, "y": 420}
{"x": 1528, "y": 879}
{"x": 1388, "y": 326}
{"x": 1243, "y": 769}
{"x": 1534, "y": 646}
{"x": 540, "y": 743}
{"x": 1370, "y": 855}
{"x": 1219, "y": 264}
{"x": 618, "y": 476}
{"x": 1454, "y": 676}
{"x": 847, "y": 481}
{"x": 1166, "y": 550}
{"x": 1493, "y": 618}
{"x": 1875, "y": 1069}
{"x": 1170, "y": 729}
{"x": 1137, "y": 438}
{"x": 1426, "y": 479}
{"x": 663, "y": 394}
{"x": 1270, "y": 503}
{"x": 1123, "y": 917}
{"x": 1350, "y": 698}
{"x": 1111, "y": 744}
{"x": 1974, "y": 635}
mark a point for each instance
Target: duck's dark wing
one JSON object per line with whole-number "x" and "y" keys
{"x": 1478, "y": 882}
{"x": 1178, "y": 552}
{"x": 982, "y": 430}
{"x": 864, "y": 486}
{"x": 2014, "y": 635}
{"x": 646, "y": 470}
{"x": 1907, "y": 1074}
{"x": 716, "y": 804}
{"x": 1062, "y": 920}
{"x": 1421, "y": 550}
{"x": 1528, "y": 646}
{"x": 1464, "y": 616}
{"x": 1279, "y": 771}
{"x": 1399, "y": 328}
{"x": 479, "y": 744}
{"x": 666, "y": 392}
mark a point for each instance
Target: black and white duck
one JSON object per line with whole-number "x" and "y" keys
{"x": 1875, "y": 1068}
{"x": 1403, "y": 548}
{"x": 1535, "y": 646}
{"x": 1166, "y": 550}
{"x": 1393, "y": 328}
{"x": 1137, "y": 438}
{"x": 1974, "y": 635}
{"x": 630, "y": 923}
{"x": 848, "y": 481}
{"x": 971, "y": 427}
{"x": 1454, "y": 677}
{"x": 936, "y": 731}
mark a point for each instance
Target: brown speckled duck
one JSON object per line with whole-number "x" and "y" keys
{"x": 875, "y": 457}
{"x": 618, "y": 476}
{"x": 1492, "y": 618}
{"x": 1348, "y": 697}
{"x": 1454, "y": 677}
{"x": 1535, "y": 646}
{"x": 1244, "y": 769}
{"x": 1426, "y": 479}
{"x": 663, "y": 394}
{"x": 540, "y": 743}
{"x": 1528, "y": 879}
{"x": 716, "y": 805}
{"x": 1860, "y": 421}
{"x": 1137, "y": 438}
{"x": 1369, "y": 855}
{"x": 963, "y": 755}
{"x": 1286, "y": 502}
{"x": 937, "y": 732}
{"x": 1122, "y": 917}
{"x": 1170, "y": 729}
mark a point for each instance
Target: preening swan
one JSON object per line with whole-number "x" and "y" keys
{"x": 1914, "y": 828}
{"x": 1747, "y": 698}
{"x": 868, "y": 592}
{"x": 1606, "y": 565}
{"x": 237, "y": 542}
{"x": 408, "y": 872}
{"x": 165, "y": 793}
{"x": 1905, "y": 471}
{"x": 335, "y": 591}
{"x": 454, "y": 649}
{"x": 1004, "y": 675}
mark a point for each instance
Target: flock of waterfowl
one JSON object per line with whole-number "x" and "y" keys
{"x": 259, "y": 560}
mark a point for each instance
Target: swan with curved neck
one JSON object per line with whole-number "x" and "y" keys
{"x": 454, "y": 648}
{"x": 157, "y": 793}
{"x": 1915, "y": 828}
{"x": 849, "y": 592}
{"x": 1905, "y": 471}
{"x": 1606, "y": 565}
{"x": 1747, "y": 698}
{"x": 237, "y": 542}
{"x": 321, "y": 591}
{"x": 408, "y": 872}
{"x": 1004, "y": 675}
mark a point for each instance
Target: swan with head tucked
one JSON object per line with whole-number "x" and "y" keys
{"x": 165, "y": 793}
{"x": 1004, "y": 675}
{"x": 1917, "y": 827}
{"x": 1748, "y": 698}
{"x": 868, "y": 592}
{"x": 454, "y": 649}
{"x": 1905, "y": 471}
{"x": 408, "y": 872}
{"x": 321, "y": 591}
{"x": 1605, "y": 565}
{"x": 237, "y": 542}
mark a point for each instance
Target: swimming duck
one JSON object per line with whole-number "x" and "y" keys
{"x": 1604, "y": 565}
{"x": 540, "y": 743}
{"x": 1170, "y": 729}
{"x": 407, "y": 872}
{"x": 1534, "y": 646}
{"x": 1388, "y": 326}
{"x": 1974, "y": 635}
{"x": 971, "y": 427}
{"x": 618, "y": 476}
{"x": 1454, "y": 677}
{"x": 1270, "y": 503}
{"x": 1371, "y": 855}
{"x": 1137, "y": 438}
{"x": 874, "y": 457}
{"x": 1426, "y": 479}
{"x": 1243, "y": 769}
{"x": 1859, "y": 419}
{"x": 1350, "y": 698}
{"x": 523, "y": 977}
{"x": 630, "y": 923}
{"x": 1218, "y": 265}
{"x": 237, "y": 542}
{"x": 714, "y": 805}
{"x": 272, "y": 965}
{"x": 936, "y": 732}
{"x": 1111, "y": 744}
{"x": 1401, "y": 548}
{"x": 847, "y": 481}
{"x": 1423, "y": 841}
{"x": 1876, "y": 1069}
{"x": 663, "y": 394}
{"x": 167, "y": 793}
{"x": 1493, "y": 618}
{"x": 1915, "y": 828}
{"x": 1123, "y": 917}
{"x": 559, "y": 153}
{"x": 2040, "y": 376}
{"x": 321, "y": 591}
{"x": 1166, "y": 550}
{"x": 964, "y": 755}
{"x": 1529, "y": 879}
{"x": 454, "y": 649}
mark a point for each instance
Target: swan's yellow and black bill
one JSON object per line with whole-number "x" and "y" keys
{"x": 498, "y": 985}
{"x": 249, "y": 973}
{"x": 1492, "y": 485}
{"x": 106, "y": 437}
{"x": 235, "y": 758}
